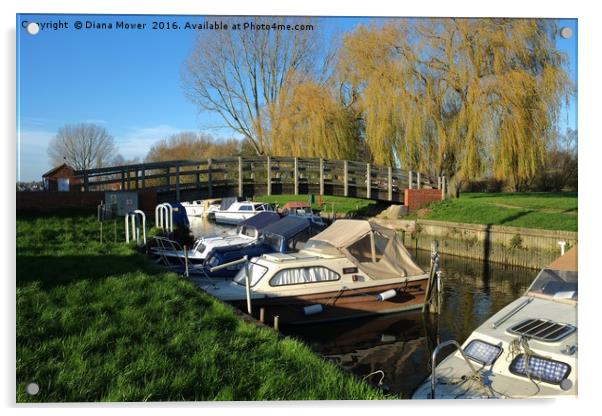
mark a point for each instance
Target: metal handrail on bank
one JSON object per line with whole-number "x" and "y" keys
{"x": 434, "y": 362}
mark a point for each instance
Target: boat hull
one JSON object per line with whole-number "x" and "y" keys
{"x": 339, "y": 305}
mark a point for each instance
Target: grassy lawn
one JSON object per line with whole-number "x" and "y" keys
{"x": 101, "y": 323}
{"x": 551, "y": 211}
{"x": 342, "y": 205}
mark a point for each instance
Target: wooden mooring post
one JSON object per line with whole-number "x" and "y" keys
{"x": 410, "y": 179}
{"x": 296, "y": 175}
{"x": 390, "y": 183}
{"x": 177, "y": 182}
{"x": 209, "y": 179}
{"x": 240, "y": 178}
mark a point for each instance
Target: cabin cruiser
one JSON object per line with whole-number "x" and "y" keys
{"x": 281, "y": 236}
{"x": 303, "y": 210}
{"x": 526, "y": 350}
{"x": 200, "y": 208}
{"x": 240, "y": 211}
{"x": 353, "y": 268}
{"x": 247, "y": 232}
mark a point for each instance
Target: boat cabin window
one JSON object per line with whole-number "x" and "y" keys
{"x": 298, "y": 241}
{"x": 362, "y": 249}
{"x": 259, "y": 207}
{"x": 255, "y": 272}
{"x": 247, "y": 231}
{"x": 555, "y": 284}
{"x": 303, "y": 275}
{"x": 245, "y": 208}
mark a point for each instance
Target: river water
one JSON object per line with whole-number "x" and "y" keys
{"x": 396, "y": 349}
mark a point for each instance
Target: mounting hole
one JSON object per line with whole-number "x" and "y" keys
{"x": 566, "y": 384}
{"x": 33, "y": 28}
{"x": 566, "y": 32}
{"x": 32, "y": 389}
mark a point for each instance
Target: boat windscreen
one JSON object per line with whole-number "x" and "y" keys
{"x": 555, "y": 284}
{"x": 255, "y": 273}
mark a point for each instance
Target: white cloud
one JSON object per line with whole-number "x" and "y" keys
{"x": 138, "y": 140}
{"x": 32, "y": 156}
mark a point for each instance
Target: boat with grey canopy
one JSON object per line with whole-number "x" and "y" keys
{"x": 353, "y": 268}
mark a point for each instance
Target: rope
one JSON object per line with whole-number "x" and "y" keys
{"x": 382, "y": 376}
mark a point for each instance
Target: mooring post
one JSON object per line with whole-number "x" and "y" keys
{"x": 177, "y": 181}
{"x": 209, "y": 181}
{"x": 261, "y": 315}
{"x": 123, "y": 180}
{"x": 143, "y": 177}
{"x": 276, "y": 322}
{"x": 136, "y": 179}
{"x": 240, "y": 190}
{"x": 321, "y": 176}
{"x": 186, "y": 260}
{"x": 443, "y": 185}
{"x": 410, "y": 179}
{"x": 269, "y": 172}
{"x": 345, "y": 178}
{"x": 248, "y": 286}
{"x": 368, "y": 181}
{"x": 418, "y": 183}
{"x": 86, "y": 181}
{"x": 390, "y": 182}
{"x": 296, "y": 175}
{"x": 438, "y": 182}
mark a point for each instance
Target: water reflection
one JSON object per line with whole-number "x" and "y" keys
{"x": 400, "y": 345}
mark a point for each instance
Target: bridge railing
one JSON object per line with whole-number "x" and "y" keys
{"x": 261, "y": 175}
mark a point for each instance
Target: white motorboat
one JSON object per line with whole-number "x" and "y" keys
{"x": 526, "y": 350}
{"x": 240, "y": 211}
{"x": 247, "y": 232}
{"x": 200, "y": 208}
{"x": 353, "y": 268}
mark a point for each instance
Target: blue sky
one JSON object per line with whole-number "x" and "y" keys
{"x": 129, "y": 82}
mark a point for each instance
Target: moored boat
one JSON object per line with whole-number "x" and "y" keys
{"x": 353, "y": 268}
{"x": 247, "y": 232}
{"x": 240, "y": 211}
{"x": 303, "y": 210}
{"x": 526, "y": 350}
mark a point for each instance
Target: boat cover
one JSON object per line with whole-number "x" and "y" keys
{"x": 260, "y": 220}
{"x": 567, "y": 262}
{"x": 376, "y": 250}
{"x": 287, "y": 227}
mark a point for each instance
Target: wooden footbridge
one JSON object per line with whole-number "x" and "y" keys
{"x": 185, "y": 180}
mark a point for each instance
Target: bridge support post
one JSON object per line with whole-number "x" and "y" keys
{"x": 438, "y": 182}
{"x": 209, "y": 179}
{"x": 240, "y": 183}
{"x": 296, "y": 176}
{"x": 418, "y": 184}
{"x": 368, "y": 181}
{"x": 410, "y": 179}
{"x": 321, "y": 176}
{"x": 177, "y": 182}
{"x": 269, "y": 172}
{"x": 128, "y": 180}
{"x": 143, "y": 172}
{"x": 390, "y": 182}
{"x": 443, "y": 187}
{"x": 86, "y": 182}
{"x": 345, "y": 178}
{"x": 136, "y": 179}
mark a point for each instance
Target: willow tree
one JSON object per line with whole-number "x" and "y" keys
{"x": 239, "y": 73}
{"x": 457, "y": 96}
{"x": 315, "y": 123}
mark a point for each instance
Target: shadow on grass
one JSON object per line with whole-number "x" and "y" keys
{"x": 51, "y": 271}
{"x": 513, "y": 217}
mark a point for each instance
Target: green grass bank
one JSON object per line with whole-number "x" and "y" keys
{"x": 342, "y": 205}
{"x": 549, "y": 211}
{"x": 98, "y": 322}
